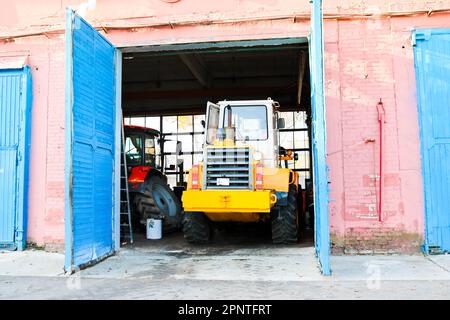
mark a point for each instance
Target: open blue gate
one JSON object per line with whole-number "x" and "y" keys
{"x": 320, "y": 170}
{"x": 432, "y": 64}
{"x": 15, "y": 123}
{"x": 90, "y": 144}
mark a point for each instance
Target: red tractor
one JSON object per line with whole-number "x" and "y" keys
{"x": 150, "y": 195}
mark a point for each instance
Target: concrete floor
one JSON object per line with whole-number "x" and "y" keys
{"x": 246, "y": 268}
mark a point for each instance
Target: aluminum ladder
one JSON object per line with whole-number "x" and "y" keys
{"x": 126, "y": 229}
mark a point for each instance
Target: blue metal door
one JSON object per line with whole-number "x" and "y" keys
{"x": 15, "y": 116}
{"x": 432, "y": 64}
{"x": 320, "y": 173}
{"x": 90, "y": 144}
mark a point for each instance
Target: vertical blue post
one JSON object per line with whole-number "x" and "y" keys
{"x": 420, "y": 35}
{"x": 68, "y": 142}
{"x": 117, "y": 148}
{"x": 24, "y": 159}
{"x": 320, "y": 170}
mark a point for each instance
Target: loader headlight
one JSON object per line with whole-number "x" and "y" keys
{"x": 257, "y": 156}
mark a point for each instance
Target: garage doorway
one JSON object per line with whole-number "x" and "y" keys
{"x": 167, "y": 88}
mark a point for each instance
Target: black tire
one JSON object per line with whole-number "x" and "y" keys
{"x": 145, "y": 205}
{"x": 284, "y": 220}
{"x": 159, "y": 201}
{"x": 196, "y": 228}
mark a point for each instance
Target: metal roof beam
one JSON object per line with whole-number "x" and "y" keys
{"x": 197, "y": 68}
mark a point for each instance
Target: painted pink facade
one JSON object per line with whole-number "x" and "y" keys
{"x": 368, "y": 56}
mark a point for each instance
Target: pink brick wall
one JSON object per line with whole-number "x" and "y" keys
{"x": 365, "y": 60}
{"x": 373, "y": 59}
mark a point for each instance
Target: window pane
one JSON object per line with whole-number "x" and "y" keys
{"x": 198, "y": 142}
{"x": 152, "y": 122}
{"x": 133, "y": 150}
{"x": 138, "y": 121}
{"x": 170, "y": 160}
{"x": 288, "y": 118}
{"x": 300, "y": 118}
{"x": 301, "y": 139}
{"x": 170, "y": 145}
{"x": 287, "y": 140}
{"x": 170, "y": 124}
{"x": 150, "y": 152}
{"x": 186, "y": 142}
{"x": 303, "y": 175}
{"x": 198, "y": 158}
{"x": 158, "y": 156}
{"x": 197, "y": 123}
{"x": 250, "y": 122}
{"x": 213, "y": 123}
{"x": 303, "y": 160}
{"x": 172, "y": 180}
{"x": 187, "y": 161}
{"x": 184, "y": 123}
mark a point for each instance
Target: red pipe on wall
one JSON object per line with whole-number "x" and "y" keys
{"x": 381, "y": 120}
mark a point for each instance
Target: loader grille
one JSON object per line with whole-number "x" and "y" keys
{"x": 228, "y": 168}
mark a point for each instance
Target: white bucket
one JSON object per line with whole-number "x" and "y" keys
{"x": 154, "y": 229}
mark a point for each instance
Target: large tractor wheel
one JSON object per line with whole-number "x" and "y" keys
{"x": 284, "y": 220}
{"x": 196, "y": 228}
{"x": 159, "y": 201}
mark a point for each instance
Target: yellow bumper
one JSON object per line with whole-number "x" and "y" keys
{"x": 227, "y": 201}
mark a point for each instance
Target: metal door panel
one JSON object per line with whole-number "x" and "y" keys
{"x": 90, "y": 143}
{"x": 432, "y": 64}
{"x": 8, "y": 189}
{"x": 320, "y": 173}
{"x": 15, "y": 122}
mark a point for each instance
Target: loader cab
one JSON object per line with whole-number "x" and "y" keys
{"x": 140, "y": 147}
{"x": 254, "y": 123}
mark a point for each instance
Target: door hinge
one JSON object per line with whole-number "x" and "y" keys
{"x": 19, "y": 234}
{"x": 422, "y": 35}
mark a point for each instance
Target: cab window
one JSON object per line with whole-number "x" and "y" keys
{"x": 250, "y": 122}
{"x": 212, "y": 124}
{"x": 133, "y": 150}
{"x": 150, "y": 152}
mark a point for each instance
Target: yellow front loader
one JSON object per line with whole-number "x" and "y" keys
{"x": 241, "y": 178}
